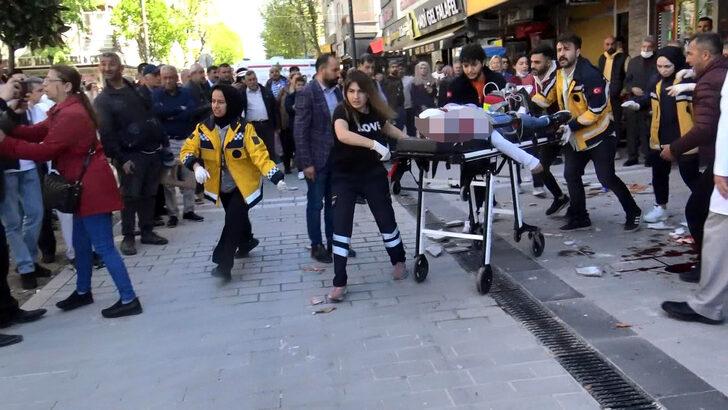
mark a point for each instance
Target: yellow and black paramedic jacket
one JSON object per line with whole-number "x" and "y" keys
{"x": 680, "y": 111}
{"x": 587, "y": 100}
{"x": 244, "y": 153}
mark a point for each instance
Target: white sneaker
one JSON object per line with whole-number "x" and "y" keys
{"x": 657, "y": 214}
{"x": 538, "y": 192}
{"x": 300, "y": 175}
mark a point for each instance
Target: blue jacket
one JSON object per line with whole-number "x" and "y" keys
{"x": 312, "y": 129}
{"x": 175, "y": 112}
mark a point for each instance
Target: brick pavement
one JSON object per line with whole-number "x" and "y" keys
{"x": 256, "y": 344}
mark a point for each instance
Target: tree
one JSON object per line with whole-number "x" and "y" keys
{"x": 291, "y": 28}
{"x": 198, "y": 27}
{"x": 73, "y": 14}
{"x": 225, "y": 45}
{"x": 165, "y": 25}
{"x": 31, "y": 23}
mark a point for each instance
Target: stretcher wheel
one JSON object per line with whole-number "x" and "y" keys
{"x": 396, "y": 187}
{"x": 477, "y": 230}
{"x": 537, "y": 244}
{"x": 484, "y": 279}
{"x": 422, "y": 267}
{"x": 517, "y": 235}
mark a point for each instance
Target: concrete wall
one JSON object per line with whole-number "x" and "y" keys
{"x": 639, "y": 26}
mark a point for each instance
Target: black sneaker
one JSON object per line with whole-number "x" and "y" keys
{"x": 28, "y": 281}
{"x": 23, "y": 316}
{"x": 223, "y": 273}
{"x": 683, "y": 311}
{"x": 244, "y": 252}
{"x": 320, "y": 253}
{"x": 191, "y": 216}
{"x": 577, "y": 225}
{"x": 151, "y": 238}
{"x": 631, "y": 162}
{"x": 7, "y": 340}
{"x": 558, "y": 204}
{"x": 172, "y": 222}
{"x": 633, "y": 222}
{"x": 98, "y": 262}
{"x": 41, "y": 272}
{"x": 75, "y": 301}
{"x": 128, "y": 246}
{"x": 119, "y": 309}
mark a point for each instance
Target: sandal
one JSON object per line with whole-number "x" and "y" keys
{"x": 337, "y": 294}
{"x": 400, "y": 271}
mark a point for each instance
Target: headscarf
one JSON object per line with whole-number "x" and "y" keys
{"x": 675, "y": 55}
{"x": 234, "y": 102}
{"x": 420, "y": 79}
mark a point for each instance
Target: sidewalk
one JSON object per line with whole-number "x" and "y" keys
{"x": 691, "y": 359}
{"x": 256, "y": 343}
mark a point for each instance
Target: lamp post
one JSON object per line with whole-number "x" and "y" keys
{"x": 352, "y": 34}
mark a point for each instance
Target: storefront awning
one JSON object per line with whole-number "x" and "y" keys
{"x": 476, "y": 6}
{"x": 432, "y": 43}
{"x": 377, "y": 45}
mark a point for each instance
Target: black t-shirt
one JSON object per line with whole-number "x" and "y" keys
{"x": 351, "y": 159}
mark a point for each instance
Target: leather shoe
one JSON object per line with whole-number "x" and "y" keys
{"x": 243, "y": 252}
{"x": 683, "y": 311}
{"x": 48, "y": 258}
{"x": 23, "y": 316}
{"x": 127, "y": 246}
{"x": 191, "y": 216}
{"x": 75, "y": 301}
{"x": 120, "y": 309}
{"x": 151, "y": 238}
{"x": 219, "y": 272}
{"x": 41, "y": 272}
{"x": 320, "y": 254}
{"x": 172, "y": 222}
{"x": 7, "y": 340}
{"x": 28, "y": 281}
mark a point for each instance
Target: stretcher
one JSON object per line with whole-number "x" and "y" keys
{"x": 482, "y": 162}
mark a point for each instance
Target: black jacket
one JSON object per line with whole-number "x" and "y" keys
{"x": 641, "y": 73}
{"x": 127, "y": 123}
{"x": 268, "y": 100}
{"x": 616, "y": 82}
{"x": 394, "y": 91}
{"x": 461, "y": 91}
{"x": 202, "y": 94}
{"x": 421, "y": 99}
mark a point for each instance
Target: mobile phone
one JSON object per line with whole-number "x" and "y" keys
{"x": 24, "y": 89}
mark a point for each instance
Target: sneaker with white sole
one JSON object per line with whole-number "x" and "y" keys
{"x": 657, "y": 214}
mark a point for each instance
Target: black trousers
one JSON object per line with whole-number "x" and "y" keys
{"x": 237, "y": 226}
{"x": 689, "y": 166}
{"x": 409, "y": 122}
{"x": 139, "y": 190}
{"x": 638, "y": 133}
{"x": 616, "y": 103}
{"x": 374, "y": 187}
{"x": 698, "y": 206}
{"x": 547, "y": 154}
{"x": 8, "y": 304}
{"x": 160, "y": 202}
{"x": 265, "y": 131}
{"x": 47, "y": 238}
{"x": 603, "y": 157}
{"x": 289, "y": 147}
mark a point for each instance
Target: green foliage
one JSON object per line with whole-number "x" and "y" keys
{"x": 225, "y": 45}
{"x": 165, "y": 25}
{"x": 291, "y": 28}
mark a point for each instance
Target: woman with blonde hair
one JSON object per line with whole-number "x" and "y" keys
{"x": 424, "y": 88}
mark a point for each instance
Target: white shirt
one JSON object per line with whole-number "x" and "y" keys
{"x": 256, "y": 106}
{"x": 407, "y": 87}
{"x": 718, "y": 204}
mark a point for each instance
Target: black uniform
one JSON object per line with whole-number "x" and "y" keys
{"x": 358, "y": 171}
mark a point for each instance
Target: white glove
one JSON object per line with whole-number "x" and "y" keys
{"x": 381, "y": 150}
{"x": 565, "y": 134}
{"x": 685, "y": 73}
{"x": 675, "y": 90}
{"x": 281, "y": 185}
{"x": 201, "y": 174}
{"x": 631, "y": 105}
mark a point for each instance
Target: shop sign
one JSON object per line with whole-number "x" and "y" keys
{"x": 437, "y": 14}
{"x": 403, "y": 4}
{"x": 387, "y": 14}
{"x": 398, "y": 34}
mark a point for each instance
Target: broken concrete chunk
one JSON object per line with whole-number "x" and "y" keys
{"x": 435, "y": 237}
{"x": 434, "y": 250}
{"x": 590, "y": 271}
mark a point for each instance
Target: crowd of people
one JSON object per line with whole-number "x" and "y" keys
{"x": 215, "y": 133}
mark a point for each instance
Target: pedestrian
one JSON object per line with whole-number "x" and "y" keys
{"x": 581, "y": 89}
{"x": 444, "y": 84}
{"x": 313, "y": 133}
{"x": 259, "y": 106}
{"x": 671, "y": 119}
{"x": 424, "y": 89}
{"x": 176, "y": 109}
{"x": 212, "y": 75}
{"x": 288, "y": 118}
{"x": 409, "y": 112}
{"x": 151, "y": 81}
{"x": 225, "y": 74}
{"x": 21, "y": 210}
{"x": 506, "y": 68}
{"x": 705, "y": 25}
{"x": 276, "y": 82}
{"x": 69, "y": 138}
{"x": 641, "y": 76}
{"x": 133, "y": 138}
{"x": 613, "y": 66}
{"x": 522, "y": 75}
{"x": 707, "y": 303}
{"x": 394, "y": 92}
{"x": 543, "y": 66}
{"x": 361, "y": 127}
{"x": 476, "y": 81}
{"x": 229, "y": 158}
{"x": 200, "y": 89}
{"x": 710, "y": 67}
{"x": 496, "y": 65}
{"x": 438, "y": 74}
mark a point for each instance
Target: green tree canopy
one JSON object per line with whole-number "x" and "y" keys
{"x": 165, "y": 25}
{"x": 225, "y": 45}
{"x": 291, "y": 28}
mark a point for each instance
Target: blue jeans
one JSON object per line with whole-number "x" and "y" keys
{"x": 95, "y": 232}
{"x": 319, "y": 198}
{"x": 22, "y": 214}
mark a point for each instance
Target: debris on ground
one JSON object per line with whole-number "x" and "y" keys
{"x": 621, "y": 325}
{"x": 569, "y": 243}
{"x": 556, "y": 235}
{"x": 637, "y": 188}
{"x": 434, "y": 250}
{"x": 317, "y": 300}
{"x": 660, "y": 226}
{"x": 318, "y": 269}
{"x": 327, "y": 309}
{"x": 589, "y": 271}
{"x": 454, "y": 224}
{"x": 457, "y": 249}
{"x": 435, "y": 237}
{"x": 677, "y": 233}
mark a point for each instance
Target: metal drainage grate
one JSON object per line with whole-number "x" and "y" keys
{"x": 602, "y": 381}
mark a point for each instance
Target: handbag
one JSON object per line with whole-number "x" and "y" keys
{"x": 62, "y": 195}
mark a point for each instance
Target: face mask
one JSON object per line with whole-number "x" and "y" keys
{"x": 646, "y": 54}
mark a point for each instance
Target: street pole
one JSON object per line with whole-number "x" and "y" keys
{"x": 144, "y": 28}
{"x": 352, "y": 34}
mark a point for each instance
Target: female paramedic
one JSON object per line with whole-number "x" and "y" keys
{"x": 229, "y": 159}
{"x": 360, "y": 125}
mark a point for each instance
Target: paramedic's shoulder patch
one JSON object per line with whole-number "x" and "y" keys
{"x": 256, "y": 140}
{"x": 597, "y": 90}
